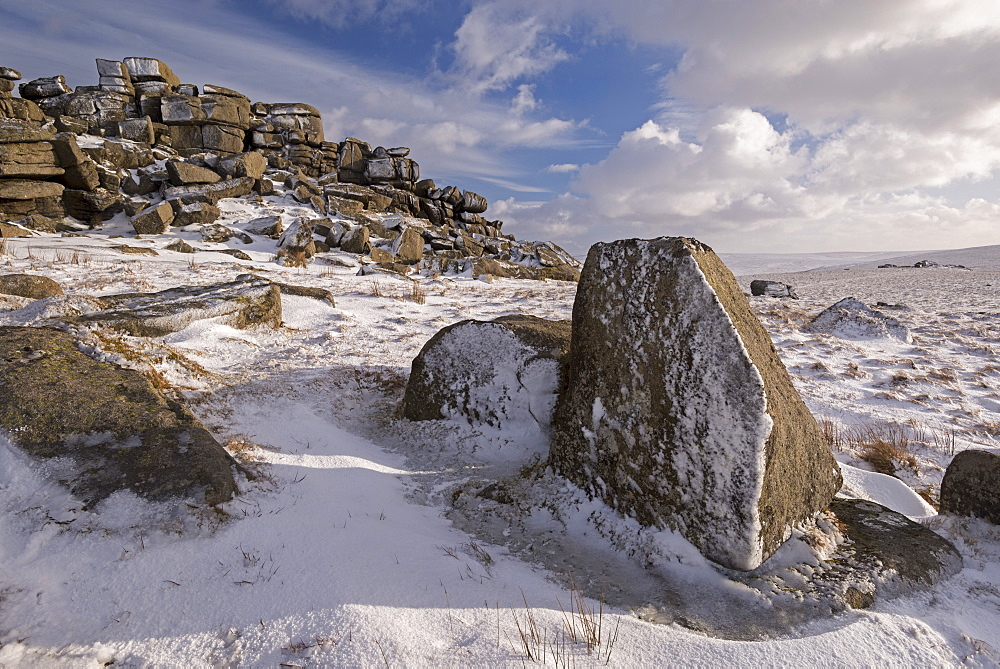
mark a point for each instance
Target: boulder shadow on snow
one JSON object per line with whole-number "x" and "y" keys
{"x": 101, "y": 428}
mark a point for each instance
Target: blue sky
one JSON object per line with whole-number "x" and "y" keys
{"x": 753, "y": 125}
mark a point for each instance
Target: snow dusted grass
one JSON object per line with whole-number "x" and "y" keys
{"x": 361, "y": 541}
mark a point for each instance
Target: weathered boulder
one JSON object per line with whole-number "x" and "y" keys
{"x": 179, "y": 246}
{"x": 28, "y": 189}
{"x": 852, "y": 319}
{"x": 137, "y": 130}
{"x": 240, "y": 304}
{"x": 183, "y": 173}
{"x": 150, "y": 69}
{"x": 216, "y": 233}
{"x": 473, "y": 202}
{"x": 500, "y": 372}
{"x": 677, "y": 410}
{"x": 971, "y": 485}
{"x": 44, "y": 87}
{"x": 249, "y": 164}
{"x": 117, "y": 433}
{"x": 93, "y": 206}
{"x": 29, "y": 285}
{"x": 764, "y": 288}
{"x": 355, "y": 240}
{"x": 885, "y": 553}
{"x": 196, "y": 213}
{"x": 296, "y": 243}
{"x": 210, "y": 193}
{"x": 408, "y": 247}
{"x": 266, "y": 226}
{"x": 153, "y": 220}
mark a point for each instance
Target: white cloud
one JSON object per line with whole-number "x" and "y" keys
{"x": 878, "y": 102}
{"x": 563, "y": 168}
{"x": 497, "y": 45}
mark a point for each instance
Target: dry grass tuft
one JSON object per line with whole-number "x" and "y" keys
{"x": 417, "y": 293}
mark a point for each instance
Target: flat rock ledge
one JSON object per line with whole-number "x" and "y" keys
{"x": 104, "y": 429}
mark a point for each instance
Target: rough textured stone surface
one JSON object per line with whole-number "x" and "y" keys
{"x": 210, "y": 193}
{"x": 852, "y": 319}
{"x": 29, "y": 285}
{"x": 356, "y": 240}
{"x": 971, "y": 485}
{"x": 677, "y": 410}
{"x": 28, "y": 189}
{"x": 197, "y": 213}
{"x": 504, "y": 371}
{"x": 154, "y": 220}
{"x": 890, "y": 551}
{"x": 763, "y": 288}
{"x": 117, "y": 433}
{"x": 184, "y": 174}
{"x": 243, "y": 304}
{"x": 408, "y": 247}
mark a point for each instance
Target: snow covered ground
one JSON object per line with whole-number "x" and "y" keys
{"x": 348, "y": 550}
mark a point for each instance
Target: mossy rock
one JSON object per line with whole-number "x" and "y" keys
{"x": 109, "y": 427}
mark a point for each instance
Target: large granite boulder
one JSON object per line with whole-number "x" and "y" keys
{"x": 677, "y": 410}
{"x": 971, "y": 485}
{"x": 852, "y": 319}
{"x": 117, "y": 432}
{"x": 500, "y": 372}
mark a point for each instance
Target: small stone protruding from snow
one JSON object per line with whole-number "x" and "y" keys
{"x": 852, "y": 319}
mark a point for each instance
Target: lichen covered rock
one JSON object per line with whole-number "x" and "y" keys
{"x": 108, "y": 427}
{"x": 677, "y": 410}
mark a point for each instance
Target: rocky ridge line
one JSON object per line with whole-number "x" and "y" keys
{"x": 165, "y": 153}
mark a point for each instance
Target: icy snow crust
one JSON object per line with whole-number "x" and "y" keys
{"x": 343, "y": 547}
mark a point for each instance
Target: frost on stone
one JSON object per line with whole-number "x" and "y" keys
{"x": 496, "y": 373}
{"x": 677, "y": 410}
{"x": 852, "y": 319}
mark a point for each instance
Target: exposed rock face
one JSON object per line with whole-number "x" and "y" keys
{"x": 117, "y": 433}
{"x": 154, "y": 220}
{"x": 218, "y": 144}
{"x": 851, "y": 319}
{"x": 29, "y": 285}
{"x": 504, "y": 371}
{"x": 971, "y": 485}
{"x": 243, "y": 304}
{"x": 677, "y": 410}
{"x": 887, "y": 553}
{"x": 760, "y": 287}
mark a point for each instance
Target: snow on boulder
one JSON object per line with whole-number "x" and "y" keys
{"x": 677, "y": 410}
{"x": 971, "y": 485}
{"x": 504, "y": 371}
{"x": 852, "y": 319}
